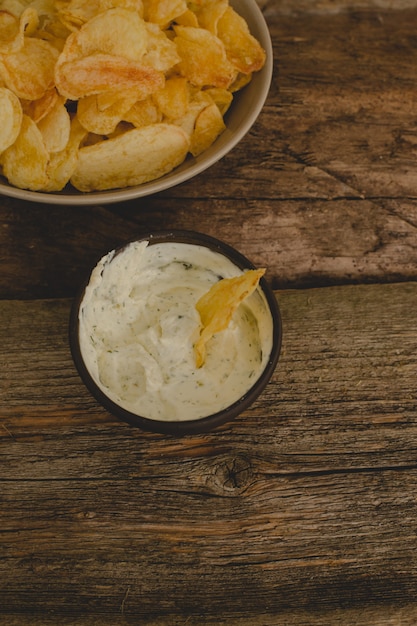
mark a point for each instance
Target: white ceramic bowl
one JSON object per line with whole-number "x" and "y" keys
{"x": 241, "y": 116}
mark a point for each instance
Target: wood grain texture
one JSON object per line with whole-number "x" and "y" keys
{"x": 321, "y": 191}
{"x": 301, "y": 511}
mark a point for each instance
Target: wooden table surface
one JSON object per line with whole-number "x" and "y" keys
{"x": 303, "y": 511}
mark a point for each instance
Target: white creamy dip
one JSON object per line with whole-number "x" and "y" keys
{"x": 138, "y": 324}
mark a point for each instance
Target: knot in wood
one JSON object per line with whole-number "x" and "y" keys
{"x": 234, "y": 474}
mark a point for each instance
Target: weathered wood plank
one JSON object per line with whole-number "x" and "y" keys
{"x": 303, "y": 243}
{"x": 303, "y": 510}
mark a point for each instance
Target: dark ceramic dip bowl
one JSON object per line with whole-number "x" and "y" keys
{"x": 218, "y": 417}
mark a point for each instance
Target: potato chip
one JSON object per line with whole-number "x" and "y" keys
{"x": 132, "y": 158}
{"x": 101, "y": 113}
{"x": 24, "y": 162}
{"x": 100, "y": 73}
{"x": 163, "y": 12}
{"x": 14, "y": 24}
{"x": 143, "y": 113}
{"x": 241, "y": 81}
{"x": 11, "y": 118}
{"x": 55, "y": 127}
{"x": 77, "y": 12}
{"x": 117, "y": 31}
{"x": 173, "y": 99}
{"x": 105, "y": 55}
{"x": 188, "y": 18}
{"x": 203, "y": 58}
{"x": 242, "y": 49}
{"x": 188, "y": 121}
{"x": 62, "y": 165}
{"x": 208, "y": 126}
{"x": 29, "y": 72}
{"x": 221, "y": 97}
{"x": 37, "y": 109}
{"x": 161, "y": 52}
{"x": 217, "y": 306}
{"x": 209, "y": 13}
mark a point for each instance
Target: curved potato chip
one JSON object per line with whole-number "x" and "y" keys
{"x": 188, "y": 18}
{"x": 99, "y": 73}
{"x": 164, "y": 11}
{"x": 161, "y": 52}
{"x": 100, "y": 114}
{"x": 208, "y": 126}
{"x": 173, "y": 99}
{"x": 118, "y": 32}
{"x": 10, "y": 116}
{"x": 37, "y": 109}
{"x": 217, "y": 306}
{"x": 77, "y": 12}
{"x": 24, "y": 162}
{"x": 222, "y": 97}
{"x": 209, "y": 13}
{"x": 132, "y": 158}
{"x": 203, "y": 58}
{"x": 14, "y": 27}
{"x": 242, "y": 49}
{"x": 241, "y": 81}
{"x": 143, "y": 113}
{"x": 199, "y": 102}
{"x": 62, "y": 165}
{"x": 29, "y": 72}
{"x": 55, "y": 127}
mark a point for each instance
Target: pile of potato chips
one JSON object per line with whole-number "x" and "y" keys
{"x": 104, "y": 94}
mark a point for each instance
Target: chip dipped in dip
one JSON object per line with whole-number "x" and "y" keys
{"x": 138, "y": 324}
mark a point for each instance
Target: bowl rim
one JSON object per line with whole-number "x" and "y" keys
{"x": 203, "y": 424}
{"x": 192, "y": 166}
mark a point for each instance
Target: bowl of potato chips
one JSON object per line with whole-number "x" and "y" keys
{"x": 175, "y": 332}
{"x": 103, "y": 101}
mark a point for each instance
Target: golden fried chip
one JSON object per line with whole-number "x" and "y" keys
{"x": 101, "y": 113}
{"x": 173, "y": 99}
{"x": 101, "y": 73}
{"x": 119, "y": 32}
{"x": 208, "y": 126}
{"x": 241, "y": 81}
{"x": 203, "y": 58}
{"x": 106, "y": 55}
{"x": 217, "y": 306}
{"x": 209, "y": 13}
{"x": 77, "y": 12}
{"x": 55, "y": 127}
{"x": 132, "y": 158}
{"x": 24, "y": 163}
{"x": 29, "y": 72}
{"x": 11, "y": 118}
{"x": 163, "y": 12}
{"x": 37, "y": 109}
{"x": 62, "y": 165}
{"x": 242, "y": 49}
{"x": 143, "y": 113}
{"x": 221, "y": 97}
{"x": 188, "y": 121}
{"x": 188, "y": 18}
{"x": 161, "y": 52}
{"x": 14, "y": 24}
